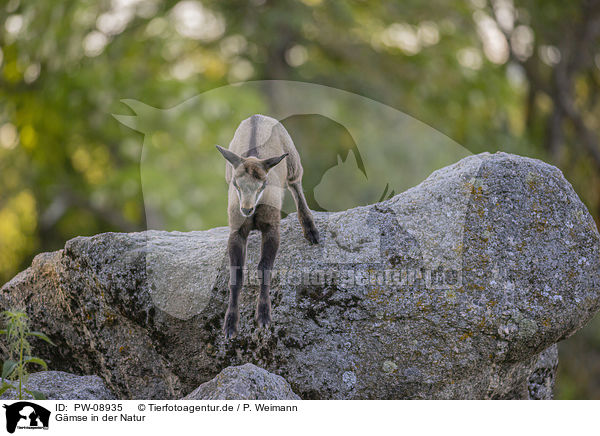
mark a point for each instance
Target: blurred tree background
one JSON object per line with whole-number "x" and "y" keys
{"x": 521, "y": 76}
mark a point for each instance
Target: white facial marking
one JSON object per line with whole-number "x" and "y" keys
{"x": 249, "y": 194}
{"x": 260, "y": 195}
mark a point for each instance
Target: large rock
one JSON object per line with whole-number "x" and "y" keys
{"x": 58, "y": 385}
{"x": 244, "y": 382}
{"x": 452, "y": 289}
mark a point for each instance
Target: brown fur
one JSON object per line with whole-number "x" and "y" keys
{"x": 257, "y": 178}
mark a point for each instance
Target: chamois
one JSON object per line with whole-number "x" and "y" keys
{"x": 256, "y": 189}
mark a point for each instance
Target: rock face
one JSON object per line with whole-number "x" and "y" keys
{"x": 245, "y": 382}
{"x": 57, "y": 385}
{"x": 452, "y": 289}
{"x": 541, "y": 380}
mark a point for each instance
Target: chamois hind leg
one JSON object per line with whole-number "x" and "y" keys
{"x": 267, "y": 221}
{"x": 304, "y": 216}
{"x": 237, "y": 255}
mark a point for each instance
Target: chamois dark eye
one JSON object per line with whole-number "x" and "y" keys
{"x": 235, "y": 185}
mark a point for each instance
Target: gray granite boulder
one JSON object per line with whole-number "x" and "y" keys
{"x": 452, "y": 289}
{"x": 244, "y": 382}
{"x": 58, "y": 385}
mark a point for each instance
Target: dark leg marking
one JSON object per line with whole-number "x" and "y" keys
{"x": 267, "y": 221}
{"x": 304, "y": 216}
{"x": 236, "y": 247}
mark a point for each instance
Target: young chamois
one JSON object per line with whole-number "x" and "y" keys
{"x": 257, "y": 185}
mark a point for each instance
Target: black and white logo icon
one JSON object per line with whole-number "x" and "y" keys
{"x": 26, "y": 415}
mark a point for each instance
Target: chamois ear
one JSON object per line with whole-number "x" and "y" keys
{"x": 231, "y": 157}
{"x": 272, "y": 161}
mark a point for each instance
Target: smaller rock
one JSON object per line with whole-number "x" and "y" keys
{"x": 541, "y": 380}
{"x": 58, "y": 385}
{"x": 245, "y": 382}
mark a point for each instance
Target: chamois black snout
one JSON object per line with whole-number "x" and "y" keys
{"x": 247, "y": 212}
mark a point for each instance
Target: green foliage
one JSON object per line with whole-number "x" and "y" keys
{"x": 15, "y": 368}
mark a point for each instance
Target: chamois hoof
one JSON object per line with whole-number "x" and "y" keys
{"x": 263, "y": 315}
{"x": 230, "y": 326}
{"x": 312, "y": 235}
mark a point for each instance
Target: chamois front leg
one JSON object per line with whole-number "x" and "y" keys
{"x": 237, "y": 255}
{"x": 304, "y": 216}
{"x": 268, "y": 224}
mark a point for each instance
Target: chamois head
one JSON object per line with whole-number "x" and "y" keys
{"x": 249, "y": 177}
